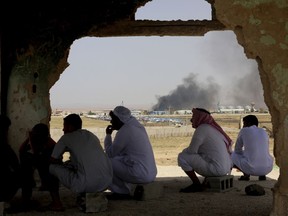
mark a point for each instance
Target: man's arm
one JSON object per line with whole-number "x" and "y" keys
{"x": 58, "y": 151}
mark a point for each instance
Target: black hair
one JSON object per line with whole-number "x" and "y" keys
{"x": 41, "y": 129}
{"x": 74, "y": 120}
{"x": 203, "y": 110}
{"x": 251, "y": 120}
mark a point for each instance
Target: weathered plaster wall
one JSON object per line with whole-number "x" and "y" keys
{"x": 262, "y": 29}
{"x": 28, "y": 106}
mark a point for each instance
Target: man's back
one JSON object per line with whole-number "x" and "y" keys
{"x": 251, "y": 153}
{"x": 255, "y": 142}
{"x": 93, "y": 167}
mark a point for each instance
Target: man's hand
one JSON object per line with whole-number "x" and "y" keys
{"x": 109, "y": 129}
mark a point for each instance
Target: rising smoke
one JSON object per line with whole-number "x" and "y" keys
{"x": 248, "y": 89}
{"x": 189, "y": 94}
{"x": 192, "y": 93}
{"x": 238, "y": 81}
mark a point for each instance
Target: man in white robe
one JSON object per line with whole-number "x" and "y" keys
{"x": 208, "y": 153}
{"x": 130, "y": 152}
{"x": 89, "y": 170}
{"x": 251, "y": 154}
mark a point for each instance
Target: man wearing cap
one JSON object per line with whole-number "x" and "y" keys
{"x": 130, "y": 152}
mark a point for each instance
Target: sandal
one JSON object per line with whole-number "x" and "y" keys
{"x": 81, "y": 201}
{"x": 244, "y": 178}
{"x": 192, "y": 188}
{"x": 206, "y": 184}
{"x": 139, "y": 192}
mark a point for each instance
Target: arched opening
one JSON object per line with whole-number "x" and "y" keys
{"x": 159, "y": 73}
{"x": 216, "y": 52}
{"x": 271, "y": 102}
{"x": 162, "y": 63}
{"x": 139, "y": 70}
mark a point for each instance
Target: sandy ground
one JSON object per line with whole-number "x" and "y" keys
{"x": 232, "y": 202}
{"x": 172, "y": 203}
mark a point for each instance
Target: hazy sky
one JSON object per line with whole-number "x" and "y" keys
{"x": 146, "y": 72}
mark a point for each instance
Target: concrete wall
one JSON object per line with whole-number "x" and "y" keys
{"x": 262, "y": 29}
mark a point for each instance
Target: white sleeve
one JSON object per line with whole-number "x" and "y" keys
{"x": 239, "y": 143}
{"x": 59, "y": 149}
{"x": 196, "y": 141}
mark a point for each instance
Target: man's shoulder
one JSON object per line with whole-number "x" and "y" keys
{"x": 251, "y": 128}
{"x": 89, "y": 133}
{"x": 205, "y": 127}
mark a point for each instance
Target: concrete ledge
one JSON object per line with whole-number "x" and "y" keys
{"x": 220, "y": 184}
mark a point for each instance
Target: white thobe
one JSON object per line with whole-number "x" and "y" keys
{"x": 206, "y": 154}
{"x": 251, "y": 154}
{"x": 89, "y": 170}
{"x": 132, "y": 157}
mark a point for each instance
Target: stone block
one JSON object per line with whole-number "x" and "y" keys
{"x": 95, "y": 202}
{"x": 220, "y": 184}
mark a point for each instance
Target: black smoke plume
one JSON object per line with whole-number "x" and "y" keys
{"x": 190, "y": 94}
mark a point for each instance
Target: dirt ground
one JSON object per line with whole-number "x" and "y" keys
{"x": 231, "y": 202}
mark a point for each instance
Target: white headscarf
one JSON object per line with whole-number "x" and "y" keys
{"x": 123, "y": 113}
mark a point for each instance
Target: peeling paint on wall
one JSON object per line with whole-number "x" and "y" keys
{"x": 286, "y": 26}
{"x": 286, "y": 39}
{"x": 280, "y": 75}
{"x": 267, "y": 40}
{"x": 250, "y": 4}
{"x": 283, "y": 46}
{"x": 254, "y": 21}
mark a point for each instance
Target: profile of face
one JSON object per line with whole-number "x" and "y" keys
{"x": 193, "y": 119}
{"x": 115, "y": 121}
{"x": 199, "y": 116}
{"x": 67, "y": 128}
{"x": 71, "y": 123}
